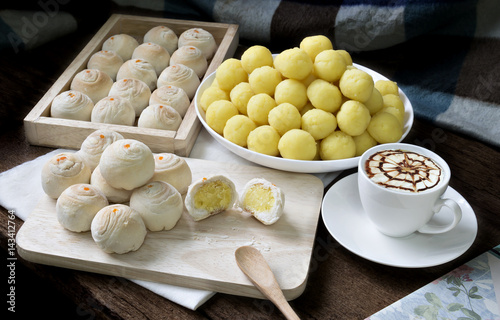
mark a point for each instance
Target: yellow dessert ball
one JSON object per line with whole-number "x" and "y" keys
{"x": 392, "y": 100}
{"x": 315, "y": 44}
{"x": 385, "y": 128}
{"x": 329, "y": 65}
{"x": 356, "y": 84}
{"x": 375, "y": 103}
{"x": 319, "y": 123}
{"x": 264, "y": 139}
{"x": 294, "y": 63}
{"x": 284, "y": 117}
{"x": 363, "y": 142}
{"x": 395, "y": 112}
{"x": 297, "y": 144}
{"x": 291, "y": 91}
{"x": 238, "y": 128}
{"x": 387, "y": 87}
{"x": 240, "y": 95}
{"x": 258, "y": 108}
{"x": 338, "y": 145}
{"x": 324, "y": 95}
{"x": 212, "y": 94}
{"x": 230, "y": 73}
{"x": 264, "y": 80}
{"x": 255, "y": 57}
{"x": 347, "y": 57}
{"x": 218, "y": 113}
{"x": 353, "y": 117}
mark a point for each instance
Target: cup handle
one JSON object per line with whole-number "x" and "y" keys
{"x": 457, "y": 216}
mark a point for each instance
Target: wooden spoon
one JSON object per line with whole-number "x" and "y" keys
{"x": 253, "y": 264}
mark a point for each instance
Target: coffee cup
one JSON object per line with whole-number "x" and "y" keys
{"x": 401, "y": 188}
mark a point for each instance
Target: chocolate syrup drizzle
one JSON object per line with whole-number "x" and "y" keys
{"x": 414, "y": 172}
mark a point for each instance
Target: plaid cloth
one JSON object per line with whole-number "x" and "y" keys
{"x": 445, "y": 55}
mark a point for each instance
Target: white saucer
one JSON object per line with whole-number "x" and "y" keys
{"x": 346, "y": 221}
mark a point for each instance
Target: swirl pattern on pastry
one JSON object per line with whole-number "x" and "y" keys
{"x": 127, "y": 164}
{"x": 163, "y": 36}
{"x": 106, "y": 61}
{"x": 174, "y": 170}
{"x": 113, "y": 195}
{"x": 77, "y": 206}
{"x": 73, "y": 105}
{"x": 159, "y": 204}
{"x": 122, "y": 44}
{"x": 159, "y": 116}
{"x": 192, "y": 57}
{"x": 63, "y": 170}
{"x": 173, "y": 96}
{"x": 155, "y": 54}
{"x": 94, "y": 145}
{"x": 117, "y": 228}
{"x": 136, "y": 91}
{"x": 139, "y": 69}
{"x": 113, "y": 110}
{"x": 94, "y": 83}
{"x": 200, "y": 38}
{"x": 180, "y": 76}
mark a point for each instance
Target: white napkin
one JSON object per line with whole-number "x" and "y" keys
{"x": 21, "y": 190}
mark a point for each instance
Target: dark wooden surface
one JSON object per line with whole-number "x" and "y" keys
{"x": 341, "y": 285}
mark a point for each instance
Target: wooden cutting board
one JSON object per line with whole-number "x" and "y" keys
{"x": 196, "y": 254}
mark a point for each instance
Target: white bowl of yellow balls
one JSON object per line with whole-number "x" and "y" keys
{"x": 308, "y": 109}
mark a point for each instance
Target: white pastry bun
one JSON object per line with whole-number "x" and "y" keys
{"x": 136, "y": 91}
{"x": 63, "y": 170}
{"x": 127, "y": 164}
{"x": 113, "y": 195}
{"x": 164, "y": 36}
{"x": 263, "y": 200}
{"x": 160, "y": 116}
{"x": 121, "y": 44}
{"x": 173, "y": 96}
{"x": 94, "y": 145}
{"x": 139, "y": 69}
{"x": 73, "y": 105}
{"x": 174, "y": 170}
{"x": 192, "y": 57}
{"x": 201, "y": 39}
{"x": 117, "y": 228}
{"x": 106, "y": 61}
{"x": 93, "y": 82}
{"x": 159, "y": 204}
{"x": 155, "y": 54}
{"x": 77, "y": 206}
{"x": 180, "y": 76}
{"x": 113, "y": 110}
{"x": 209, "y": 196}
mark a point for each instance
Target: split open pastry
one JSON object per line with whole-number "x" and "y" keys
{"x": 139, "y": 69}
{"x": 174, "y": 170}
{"x": 135, "y": 90}
{"x": 192, "y": 57}
{"x": 122, "y": 44}
{"x": 127, "y": 164}
{"x": 63, "y": 170}
{"x": 173, "y": 96}
{"x": 118, "y": 228}
{"x": 200, "y": 38}
{"x": 93, "y": 82}
{"x": 94, "y": 145}
{"x": 106, "y": 61}
{"x": 113, "y": 110}
{"x": 164, "y": 36}
{"x": 209, "y": 196}
{"x": 180, "y": 76}
{"x": 263, "y": 200}
{"x": 159, "y": 204}
{"x": 77, "y": 206}
{"x": 114, "y": 195}
{"x": 159, "y": 116}
{"x": 154, "y": 53}
{"x": 73, "y": 105}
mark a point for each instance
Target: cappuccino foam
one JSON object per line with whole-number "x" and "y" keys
{"x": 403, "y": 170}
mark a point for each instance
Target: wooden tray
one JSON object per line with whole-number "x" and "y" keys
{"x": 41, "y": 129}
{"x": 196, "y": 254}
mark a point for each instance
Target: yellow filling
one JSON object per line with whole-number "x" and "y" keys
{"x": 213, "y": 197}
{"x": 259, "y": 199}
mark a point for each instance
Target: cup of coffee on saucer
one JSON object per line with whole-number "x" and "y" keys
{"x": 401, "y": 187}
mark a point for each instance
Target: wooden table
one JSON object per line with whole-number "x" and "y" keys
{"x": 341, "y": 285}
